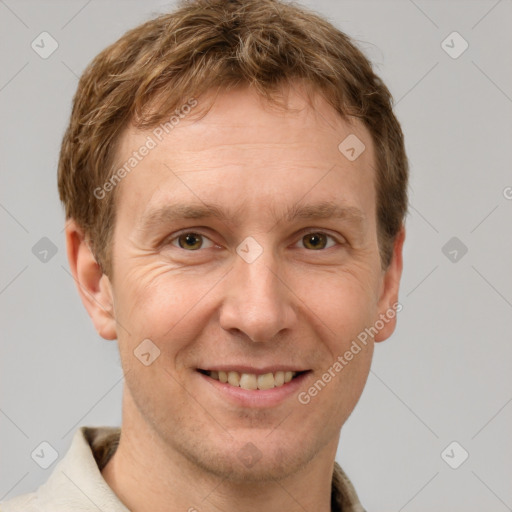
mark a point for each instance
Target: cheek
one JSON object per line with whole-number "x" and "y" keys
{"x": 331, "y": 398}
{"x": 347, "y": 304}
{"x": 156, "y": 303}
{"x": 344, "y": 301}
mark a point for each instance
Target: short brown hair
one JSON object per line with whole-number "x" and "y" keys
{"x": 207, "y": 45}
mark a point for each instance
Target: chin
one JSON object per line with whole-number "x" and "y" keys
{"x": 270, "y": 467}
{"x": 241, "y": 460}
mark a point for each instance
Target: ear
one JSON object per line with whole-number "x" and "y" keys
{"x": 388, "y": 305}
{"x": 93, "y": 285}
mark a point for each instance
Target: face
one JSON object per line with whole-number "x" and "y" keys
{"x": 247, "y": 242}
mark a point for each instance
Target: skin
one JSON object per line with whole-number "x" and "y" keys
{"x": 294, "y": 305}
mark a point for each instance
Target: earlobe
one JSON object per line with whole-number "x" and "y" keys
{"x": 93, "y": 285}
{"x": 389, "y": 305}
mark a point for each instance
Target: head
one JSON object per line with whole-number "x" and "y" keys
{"x": 214, "y": 211}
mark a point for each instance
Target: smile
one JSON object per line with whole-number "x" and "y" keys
{"x": 250, "y": 387}
{"x": 252, "y": 381}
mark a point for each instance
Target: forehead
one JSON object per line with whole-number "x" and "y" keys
{"x": 244, "y": 153}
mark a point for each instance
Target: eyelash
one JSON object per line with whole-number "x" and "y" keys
{"x": 302, "y": 235}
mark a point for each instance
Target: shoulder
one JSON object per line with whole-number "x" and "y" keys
{"x": 23, "y": 503}
{"x": 76, "y": 483}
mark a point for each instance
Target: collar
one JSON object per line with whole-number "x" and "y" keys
{"x": 77, "y": 484}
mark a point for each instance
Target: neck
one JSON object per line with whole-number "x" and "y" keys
{"x": 147, "y": 475}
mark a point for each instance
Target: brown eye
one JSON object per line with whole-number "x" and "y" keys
{"x": 191, "y": 241}
{"x": 316, "y": 241}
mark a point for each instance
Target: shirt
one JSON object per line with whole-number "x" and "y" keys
{"x": 77, "y": 485}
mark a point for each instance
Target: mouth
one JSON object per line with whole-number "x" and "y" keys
{"x": 253, "y": 381}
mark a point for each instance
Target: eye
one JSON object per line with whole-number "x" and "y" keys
{"x": 191, "y": 241}
{"x": 317, "y": 241}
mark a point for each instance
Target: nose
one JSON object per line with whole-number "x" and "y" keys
{"x": 257, "y": 301}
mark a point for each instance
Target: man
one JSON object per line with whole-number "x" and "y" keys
{"x": 235, "y": 185}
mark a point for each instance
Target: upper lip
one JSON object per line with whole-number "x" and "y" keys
{"x": 251, "y": 369}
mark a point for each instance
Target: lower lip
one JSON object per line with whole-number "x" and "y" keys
{"x": 256, "y": 398}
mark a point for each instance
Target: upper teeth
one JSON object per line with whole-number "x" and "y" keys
{"x": 253, "y": 381}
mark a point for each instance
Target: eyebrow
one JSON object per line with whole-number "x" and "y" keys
{"x": 175, "y": 212}
{"x": 171, "y": 213}
{"x": 325, "y": 210}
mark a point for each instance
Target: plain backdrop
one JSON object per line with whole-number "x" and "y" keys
{"x": 445, "y": 376}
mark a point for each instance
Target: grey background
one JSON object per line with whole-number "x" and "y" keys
{"x": 444, "y": 376}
